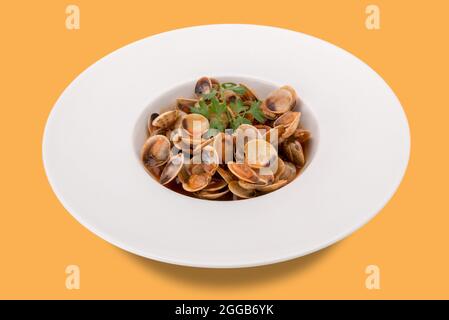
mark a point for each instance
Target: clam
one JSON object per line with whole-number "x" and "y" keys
{"x": 184, "y": 104}
{"x": 292, "y": 91}
{"x": 267, "y": 175}
{"x": 225, "y": 174}
{"x": 249, "y": 94}
{"x": 279, "y": 101}
{"x": 195, "y": 124}
{"x": 151, "y": 128}
{"x": 302, "y": 135}
{"x": 155, "y": 151}
{"x": 196, "y": 182}
{"x": 208, "y": 195}
{"x": 177, "y": 138}
{"x": 280, "y": 169}
{"x": 184, "y": 173}
{"x": 289, "y": 172}
{"x": 290, "y": 121}
{"x": 244, "y": 172}
{"x": 240, "y": 192}
{"x": 260, "y": 153}
{"x": 155, "y": 171}
{"x": 294, "y": 152}
{"x": 247, "y": 185}
{"x": 166, "y": 119}
{"x": 205, "y": 162}
{"x": 203, "y": 86}
{"x": 216, "y": 184}
{"x": 172, "y": 169}
{"x": 272, "y": 187}
{"x": 178, "y": 122}
{"x": 266, "y": 112}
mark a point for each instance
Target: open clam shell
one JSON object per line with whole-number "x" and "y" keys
{"x": 196, "y": 182}
{"x": 244, "y": 172}
{"x": 290, "y": 121}
{"x": 185, "y": 104}
{"x": 240, "y": 192}
{"x": 166, "y": 119}
{"x": 172, "y": 169}
{"x": 289, "y": 172}
{"x": 272, "y": 187}
{"x": 155, "y": 151}
{"x": 279, "y": 101}
{"x": 195, "y": 124}
{"x": 216, "y": 184}
{"x": 203, "y": 86}
{"x": 208, "y": 195}
{"x": 226, "y": 174}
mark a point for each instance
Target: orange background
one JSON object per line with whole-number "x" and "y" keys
{"x": 408, "y": 240}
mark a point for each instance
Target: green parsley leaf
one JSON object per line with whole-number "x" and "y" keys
{"x": 238, "y": 107}
{"x": 217, "y": 107}
{"x": 256, "y": 112}
{"x": 238, "y": 89}
{"x": 217, "y": 124}
{"x": 201, "y": 108}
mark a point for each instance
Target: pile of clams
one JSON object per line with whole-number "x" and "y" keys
{"x": 224, "y": 143}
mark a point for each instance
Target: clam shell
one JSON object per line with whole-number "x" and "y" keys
{"x": 196, "y": 182}
{"x": 249, "y": 93}
{"x": 155, "y": 151}
{"x": 166, "y": 119}
{"x": 225, "y": 174}
{"x": 203, "y": 86}
{"x": 272, "y": 187}
{"x": 279, "y": 101}
{"x": 215, "y": 184}
{"x": 184, "y": 104}
{"x": 150, "y": 126}
{"x": 244, "y": 172}
{"x": 208, "y": 195}
{"x": 289, "y": 172}
{"x": 290, "y": 121}
{"x": 240, "y": 192}
{"x": 172, "y": 169}
{"x": 195, "y": 124}
{"x": 294, "y": 152}
{"x": 302, "y": 135}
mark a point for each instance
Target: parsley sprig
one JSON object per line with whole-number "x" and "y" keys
{"x": 218, "y": 114}
{"x": 241, "y": 111}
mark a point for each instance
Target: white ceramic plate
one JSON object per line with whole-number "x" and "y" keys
{"x": 93, "y": 134}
